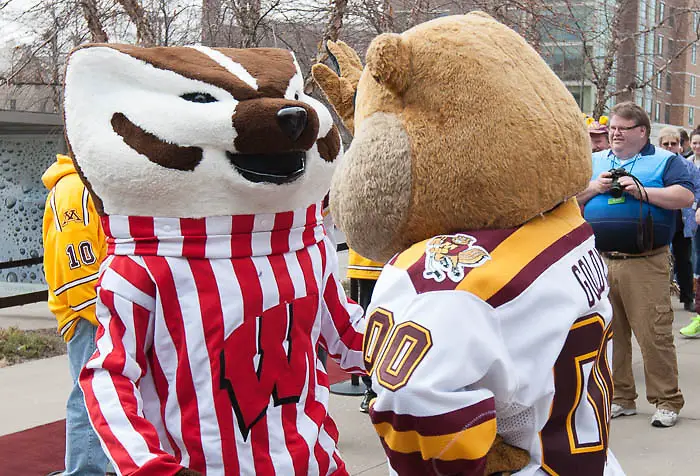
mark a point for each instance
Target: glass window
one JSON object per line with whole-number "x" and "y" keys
{"x": 662, "y": 12}
{"x": 657, "y": 111}
{"x": 692, "y": 85}
{"x": 691, "y": 116}
{"x": 693, "y": 53}
{"x": 647, "y": 105}
{"x": 658, "y": 79}
{"x": 667, "y": 114}
{"x": 668, "y": 82}
{"x": 659, "y": 45}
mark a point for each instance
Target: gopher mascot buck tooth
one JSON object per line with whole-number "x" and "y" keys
{"x": 489, "y": 328}
{"x": 209, "y": 166}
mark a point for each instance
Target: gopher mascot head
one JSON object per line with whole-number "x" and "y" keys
{"x": 443, "y": 135}
{"x": 443, "y": 118}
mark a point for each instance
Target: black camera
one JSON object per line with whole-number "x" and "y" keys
{"x": 616, "y": 189}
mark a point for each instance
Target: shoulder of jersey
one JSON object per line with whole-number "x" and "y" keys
{"x": 494, "y": 265}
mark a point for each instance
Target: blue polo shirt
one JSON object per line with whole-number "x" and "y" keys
{"x": 617, "y": 224}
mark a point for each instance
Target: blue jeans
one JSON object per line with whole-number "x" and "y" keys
{"x": 84, "y": 455}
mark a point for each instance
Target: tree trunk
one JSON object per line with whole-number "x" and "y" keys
{"x": 211, "y": 15}
{"x": 387, "y": 17}
{"x": 144, "y": 31}
{"x": 97, "y": 32}
{"x": 331, "y": 32}
{"x": 333, "y": 27}
{"x": 249, "y": 22}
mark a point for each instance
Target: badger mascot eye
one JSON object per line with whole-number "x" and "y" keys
{"x": 198, "y": 97}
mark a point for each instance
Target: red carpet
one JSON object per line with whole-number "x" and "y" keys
{"x": 33, "y": 452}
{"x": 38, "y": 451}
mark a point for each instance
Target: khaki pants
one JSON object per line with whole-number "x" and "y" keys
{"x": 641, "y": 300}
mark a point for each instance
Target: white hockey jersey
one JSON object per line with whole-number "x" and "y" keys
{"x": 495, "y": 331}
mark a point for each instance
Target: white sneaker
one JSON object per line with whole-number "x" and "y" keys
{"x": 664, "y": 418}
{"x": 618, "y": 410}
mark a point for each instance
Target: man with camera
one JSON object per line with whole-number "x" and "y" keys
{"x": 630, "y": 204}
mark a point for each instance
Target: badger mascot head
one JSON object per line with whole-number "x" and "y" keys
{"x": 209, "y": 167}
{"x": 195, "y": 132}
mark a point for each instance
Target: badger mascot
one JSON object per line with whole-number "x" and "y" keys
{"x": 209, "y": 167}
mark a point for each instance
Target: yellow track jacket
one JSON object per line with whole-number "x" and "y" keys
{"x": 74, "y": 246}
{"x": 360, "y": 267}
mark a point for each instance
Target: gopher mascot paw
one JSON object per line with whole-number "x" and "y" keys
{"x": 504, "y": 459}
{"x": 340, "y": 88}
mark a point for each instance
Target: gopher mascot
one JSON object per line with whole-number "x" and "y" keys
{"x": 209, "y": 167}
{"x": 489, "y": 328}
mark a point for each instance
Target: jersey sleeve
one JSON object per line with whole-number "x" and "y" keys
{"x": 439, "y": 367}
{"x": 342, "y": 323}
{"x": 110, "y": 379}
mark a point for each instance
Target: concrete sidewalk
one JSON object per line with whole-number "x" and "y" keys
{"x": 34, "y": 393}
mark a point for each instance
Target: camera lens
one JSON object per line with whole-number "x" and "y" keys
{"x": 616, "y": 189}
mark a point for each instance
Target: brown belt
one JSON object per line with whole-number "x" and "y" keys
{"x": 646, "y": 254}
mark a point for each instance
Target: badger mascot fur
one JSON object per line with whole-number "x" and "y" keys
{"x": 209, "y": 167}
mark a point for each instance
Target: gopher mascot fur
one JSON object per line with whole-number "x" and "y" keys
{"x": 209, "y": 167}
{"x": 489, "y": 329}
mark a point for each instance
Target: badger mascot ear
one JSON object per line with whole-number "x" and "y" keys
{"x": 389, "y": 62}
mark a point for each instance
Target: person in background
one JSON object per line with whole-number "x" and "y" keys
{"x": 682, "y": 243}
{"x": 598, "y": 131}
{"x": 686, "y": 150}
{"x": 693, "y": 328}
{"x": 74, "y": 247}
{"x": 363, "y": 274}
{"x": 633, "y": 239}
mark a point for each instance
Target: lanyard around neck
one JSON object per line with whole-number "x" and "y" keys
{"x": 632, "y": 161}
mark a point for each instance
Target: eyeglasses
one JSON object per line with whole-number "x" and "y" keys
{"x": 622, "y": 128}
{"x": 669, "y": 144}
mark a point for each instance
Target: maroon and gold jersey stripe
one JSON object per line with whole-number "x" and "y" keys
{"x": 413, "y": 259}
{"x": 412, "y": 464}
{"x": 450, "y": 422}
{"x": 467, "y": 433}
{"x": 518, "y": 255}
{"x": 527, "y": 251}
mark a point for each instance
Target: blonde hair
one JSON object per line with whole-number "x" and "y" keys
{"x": 670, "y": 132}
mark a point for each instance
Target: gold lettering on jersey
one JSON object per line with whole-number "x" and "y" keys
{"x": 70, "y": 216}
{"x": 446, "y": 256}
{"x": 589, "y": 271}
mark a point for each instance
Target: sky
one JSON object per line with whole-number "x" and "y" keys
{"x": 11, "y": 31}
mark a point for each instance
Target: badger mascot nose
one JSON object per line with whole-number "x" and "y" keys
{"x": 292, "y": 121}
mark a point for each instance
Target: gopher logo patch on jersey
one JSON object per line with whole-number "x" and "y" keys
{"x": 70, "y": 216}
{"x": 448, "y": 255}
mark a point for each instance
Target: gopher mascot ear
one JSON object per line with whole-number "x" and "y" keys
{"x": 388, "y": 60}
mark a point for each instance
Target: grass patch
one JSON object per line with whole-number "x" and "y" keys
{"x": 17, "y": 346}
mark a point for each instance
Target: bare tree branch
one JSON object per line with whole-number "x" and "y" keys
{"x": 144, "y": 30}
{"x": 8, "y": 80}
{"x": 92, "y": 16}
